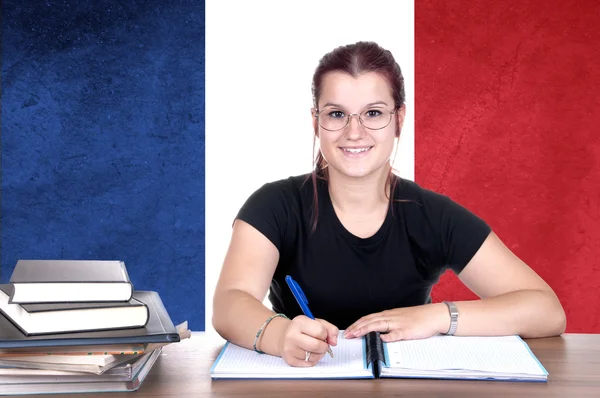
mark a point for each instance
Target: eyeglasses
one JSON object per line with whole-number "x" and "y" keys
{"x": 373, "y": 119}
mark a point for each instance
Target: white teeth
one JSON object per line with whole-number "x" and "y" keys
{"x": 356, "y": 150}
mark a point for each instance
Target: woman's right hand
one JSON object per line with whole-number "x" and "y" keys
{"x": 304, "y": 335}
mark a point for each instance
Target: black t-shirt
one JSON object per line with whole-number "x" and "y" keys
{"x": 344, "y": 276}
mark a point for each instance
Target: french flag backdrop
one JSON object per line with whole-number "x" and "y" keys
{"x": 103, "y": 140}
{"x": 103, "y": 136}
{"x": 507, "y": 122}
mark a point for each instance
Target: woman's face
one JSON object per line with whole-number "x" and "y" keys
{"x": 354, "y": 150}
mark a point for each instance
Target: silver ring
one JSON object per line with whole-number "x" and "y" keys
{"x": 307, "y": 357}
{"x": 388, "y": 326}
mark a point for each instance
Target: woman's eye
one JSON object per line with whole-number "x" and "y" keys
{"x": 336, "y": 114}
{"x": 373, "y": 113}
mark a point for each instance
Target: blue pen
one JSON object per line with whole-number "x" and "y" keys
{"x": 302, "y": 301}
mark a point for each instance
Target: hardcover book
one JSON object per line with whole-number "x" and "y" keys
{"x": 158, "y": 329}
{"x": 58, "y": 281}
{"x": 83, "y": 383}
{"x": 34, "y": 319}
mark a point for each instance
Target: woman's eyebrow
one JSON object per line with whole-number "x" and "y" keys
{"x": 376, "y": 103}
{"x": 366, "y": 106}
{"x": 332, "y": 104}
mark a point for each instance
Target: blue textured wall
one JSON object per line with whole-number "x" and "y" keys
{"x": 103, "y": 140}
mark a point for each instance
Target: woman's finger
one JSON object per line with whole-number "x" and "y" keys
{"x": 394, "y": 335}
{"x": 304, "y": 358}
{"x": 312, "y": 344}
{"x": 363, "y": 320}
{"x": 382, "y": 325}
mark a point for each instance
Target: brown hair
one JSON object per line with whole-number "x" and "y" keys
{"x": 355, "y": 59}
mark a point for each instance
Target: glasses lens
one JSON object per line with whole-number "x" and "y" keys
{"x": 376, "y": 119}
{"x": 331, "y": 119}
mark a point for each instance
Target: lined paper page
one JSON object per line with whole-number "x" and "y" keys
{"x": 241, "y": 362}
{"x": 505, "y": 354}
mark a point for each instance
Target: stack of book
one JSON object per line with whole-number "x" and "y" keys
{"x": 79, "y": 326}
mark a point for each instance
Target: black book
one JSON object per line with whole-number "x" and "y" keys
{"x": 45, "y": 318}
{"x": 59, "y": 281}
{"x": 158, "y": 329}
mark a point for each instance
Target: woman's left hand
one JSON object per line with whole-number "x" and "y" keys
{"x": 410, "y": 323}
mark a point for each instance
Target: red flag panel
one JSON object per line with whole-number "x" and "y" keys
{"x": 507, "y": 123}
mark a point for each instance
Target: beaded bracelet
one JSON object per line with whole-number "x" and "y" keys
{"x": 262, "y": 328}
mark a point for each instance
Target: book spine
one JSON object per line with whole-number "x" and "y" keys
{"x": 375, "y": 353}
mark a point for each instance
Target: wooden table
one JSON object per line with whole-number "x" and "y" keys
{"x": 573, "y": 361}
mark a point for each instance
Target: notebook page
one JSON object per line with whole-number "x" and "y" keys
{"x": 241, "y": 362}
{"x": 505, "y": 354}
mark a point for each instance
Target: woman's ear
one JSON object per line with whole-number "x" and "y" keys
{"x": 400, "y": 114}
{"x": 315, "y": 124}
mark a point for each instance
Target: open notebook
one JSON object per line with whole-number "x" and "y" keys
{"x": 438, "y": 357}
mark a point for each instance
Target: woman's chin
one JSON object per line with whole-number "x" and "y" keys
{"x": 358, "y": 168}
{"x": 355, "y": 171}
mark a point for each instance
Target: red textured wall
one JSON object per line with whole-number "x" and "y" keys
{"x": 508, "y": 124}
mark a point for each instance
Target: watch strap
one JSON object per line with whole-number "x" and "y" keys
{"x": 453, "y": 310}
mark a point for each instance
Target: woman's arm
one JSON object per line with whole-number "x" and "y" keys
{"x": 513, "y": 300}
{"x": 239, "y": 312}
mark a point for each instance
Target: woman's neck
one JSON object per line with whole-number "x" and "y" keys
{"x": 358, "y": 195}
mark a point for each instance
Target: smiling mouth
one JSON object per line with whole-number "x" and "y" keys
{"x": 356, "y": 150}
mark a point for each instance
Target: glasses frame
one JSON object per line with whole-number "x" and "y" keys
{"x": 349, "y": 116}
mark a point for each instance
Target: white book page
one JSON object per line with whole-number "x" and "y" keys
{"x": 348, "y": 360}
{"x": 506, "y": 354}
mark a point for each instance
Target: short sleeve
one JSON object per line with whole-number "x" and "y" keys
{"x": 266, "y": 211}
{"x": 461, "y": 232}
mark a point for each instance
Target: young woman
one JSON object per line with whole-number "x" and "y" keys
{"x": 365, "y": 245}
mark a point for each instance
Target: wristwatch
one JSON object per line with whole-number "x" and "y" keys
{"x": 453, "y": 317}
